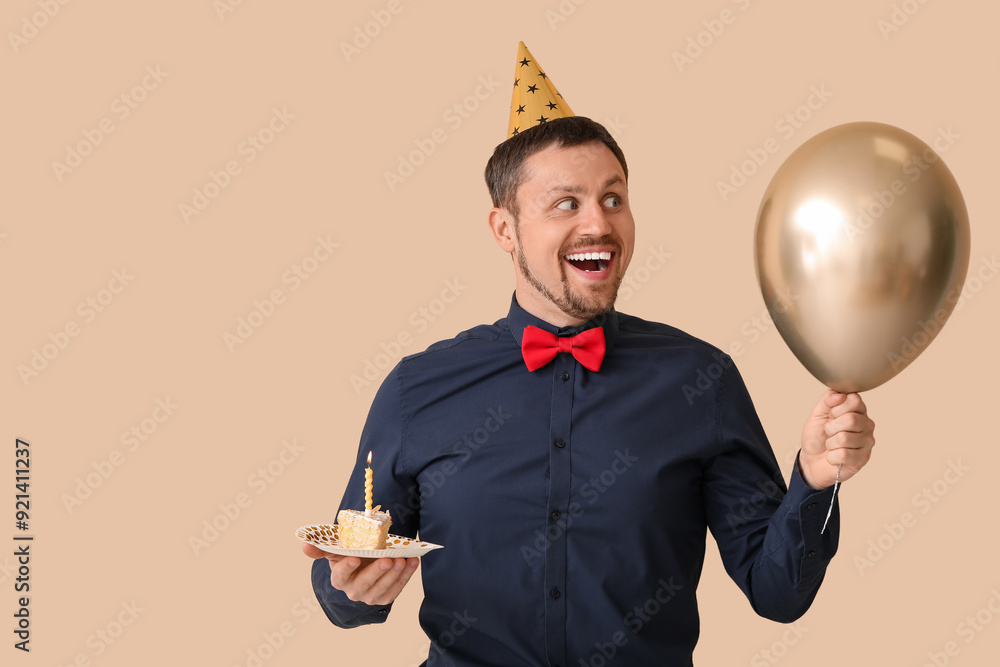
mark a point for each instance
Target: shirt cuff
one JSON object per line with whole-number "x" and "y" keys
{"x": 341, "y": 610}
{"x": 818, "y": 548}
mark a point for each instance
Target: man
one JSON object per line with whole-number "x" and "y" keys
{"x": 571, "y": 483}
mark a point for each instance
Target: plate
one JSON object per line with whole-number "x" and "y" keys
{"x": 324, "y": 536}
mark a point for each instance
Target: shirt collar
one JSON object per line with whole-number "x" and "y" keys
{"x": 518, "y": 318}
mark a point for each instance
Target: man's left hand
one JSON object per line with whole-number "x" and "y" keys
{"x": 837, "y": 432}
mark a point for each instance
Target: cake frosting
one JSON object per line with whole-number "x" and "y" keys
{"x": 356, "y": 530}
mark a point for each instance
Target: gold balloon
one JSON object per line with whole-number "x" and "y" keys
{"x": 862, "y": 247}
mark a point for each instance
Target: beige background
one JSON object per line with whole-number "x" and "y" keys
{"x": 162, "y": 336}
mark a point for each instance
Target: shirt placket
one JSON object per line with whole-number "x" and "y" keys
{"x": 565, "y": 368}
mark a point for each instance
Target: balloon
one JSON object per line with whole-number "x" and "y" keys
{"x": 862, "y": 247}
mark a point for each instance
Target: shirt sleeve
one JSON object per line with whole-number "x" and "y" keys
{"x": 394, "y": 490}
{"x": 768, "y": 534}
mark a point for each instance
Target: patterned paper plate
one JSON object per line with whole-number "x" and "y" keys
{"x": 324, "y": 536}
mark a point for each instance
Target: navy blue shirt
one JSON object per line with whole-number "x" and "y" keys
{"x": 573, "y": 506}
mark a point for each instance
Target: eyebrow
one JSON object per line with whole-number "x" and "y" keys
{"x": 576, "y": 189}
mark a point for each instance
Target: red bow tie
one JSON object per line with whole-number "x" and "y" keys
{"x": 539, "y": 347}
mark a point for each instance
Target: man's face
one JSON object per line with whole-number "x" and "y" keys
{"x": 573, "y": 204}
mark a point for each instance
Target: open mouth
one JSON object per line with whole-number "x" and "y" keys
{"x": 590, "y": 262}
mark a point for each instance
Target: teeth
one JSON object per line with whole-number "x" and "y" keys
{"x": 589, "y": 255}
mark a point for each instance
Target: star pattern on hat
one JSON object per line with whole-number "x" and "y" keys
{"x": 534, "y": 95}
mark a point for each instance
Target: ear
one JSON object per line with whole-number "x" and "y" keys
{"x": 502, "y": 226}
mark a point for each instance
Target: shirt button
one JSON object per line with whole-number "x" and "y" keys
{"x": 555, "y": 593}
{"x": 556, "y": 514}
{"x": 811, "y": 506}
{"x": 564, "y": 377}
{"x": 560, "y": 444}
{"x": 810, "y": 554}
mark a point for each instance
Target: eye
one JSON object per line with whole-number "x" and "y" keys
{"x": 567, "y": 205}
{"x": 613, "y": 201}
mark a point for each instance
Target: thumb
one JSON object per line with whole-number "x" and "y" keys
{"x": 830, "y": 400}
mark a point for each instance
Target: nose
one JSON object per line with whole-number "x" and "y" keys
{"x": 594, "y": 221}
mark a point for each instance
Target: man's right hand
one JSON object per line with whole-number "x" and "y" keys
{"x": 368, "y": 580}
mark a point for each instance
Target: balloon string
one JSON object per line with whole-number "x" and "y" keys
{"x": 833, "y": 498}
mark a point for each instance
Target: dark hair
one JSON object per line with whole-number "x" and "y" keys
{"x": 505, "y": 169}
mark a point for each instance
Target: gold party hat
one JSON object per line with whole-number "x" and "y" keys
{"x": 536, "y": 99}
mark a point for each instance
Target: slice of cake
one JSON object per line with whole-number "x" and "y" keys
{"x": 357, "y": 531}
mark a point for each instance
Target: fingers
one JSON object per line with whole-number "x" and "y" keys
{"x": 373, "y": 581}
{"x": 388, "y": 588}
{"x": 848, "y": 403}
{"x": 852, "y": 422}
{"x": 850, "y": 431}
{"x": 852, "y": 459}
{"x": 833, "y": 398}
{"x": 839, "y": 433}
{"x": 826, "y": 403}
{"x": 342, "y": 571}
{"x": 850, "y": 436}
{"x": 848, "y": 441}
{"x": 313, "y": 551}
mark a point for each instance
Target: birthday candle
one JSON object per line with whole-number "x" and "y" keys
{"x": 368, "y": 486}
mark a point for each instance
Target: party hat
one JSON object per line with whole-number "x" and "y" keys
{"x": 536, "y": 99}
